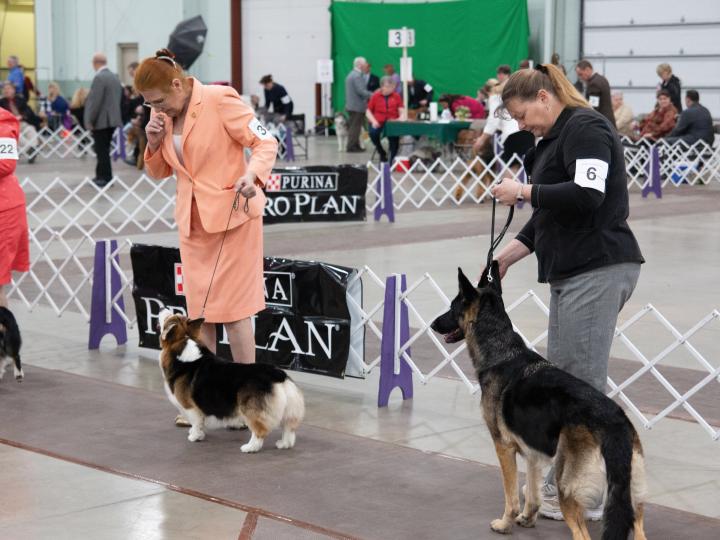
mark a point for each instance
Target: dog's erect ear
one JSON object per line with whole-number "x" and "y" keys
{"x": 168, "y": 331}
{"x": 466, "y": 288}
{"x": 194, "y": 325}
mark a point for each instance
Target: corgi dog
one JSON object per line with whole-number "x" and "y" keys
{"x": 212, "y": 392}
{"x": 10, "y": 343}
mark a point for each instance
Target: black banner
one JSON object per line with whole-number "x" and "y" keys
{"x": 316, "y": 193}
{"x": 305, "y": 327}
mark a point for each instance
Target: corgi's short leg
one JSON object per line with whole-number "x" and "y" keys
{"x": 254, "y": 445}
{"x": 259, "y": 430}
{"x": 197, "y": 421}
{"x": 287, "y": 440}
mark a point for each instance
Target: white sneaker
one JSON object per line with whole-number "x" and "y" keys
{"x": 550, "y": 506}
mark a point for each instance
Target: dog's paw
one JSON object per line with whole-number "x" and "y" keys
{"x": 526, "y": 521}
{"x": 19, "y": 375}
{"x": 196, "y": 435}
{"x": 283, "y": 445}
{"x": 501, "y": 526}
{"x": 249, "y": 448}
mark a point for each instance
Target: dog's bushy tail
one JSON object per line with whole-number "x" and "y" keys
{"x": 617, "y": 450}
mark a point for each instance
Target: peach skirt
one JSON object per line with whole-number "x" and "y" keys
{"x": 237, "y": 290}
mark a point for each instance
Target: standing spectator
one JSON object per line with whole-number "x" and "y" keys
{"x": 15, "y": 246}
{"x": 16, "y": 75}
{"x": 623, "y": 115}
{"x": 420, "y": 94}
{"x": 695, "y": 122}
{"x": 455, "y": 101}
{"x": 597, "y": 89}
{"x": 356, "y": 98}
{"x": 77, "y": 105}
{"x": 277, "y": 98}
{"x": 661, "y": 121}
{"x": 389, "y": 71}
{"x": 502, "y": 73}
{"x": 103, "y": 115}
{"x": 670, "y": 83}
{"x": 373, "y": 81}
{"x": 385, "y": 104}
{"x": 29, "y": 121}
{"x": 56, "y": 107}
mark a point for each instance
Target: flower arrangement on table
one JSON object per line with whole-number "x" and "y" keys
{"x": 462, "y": 113}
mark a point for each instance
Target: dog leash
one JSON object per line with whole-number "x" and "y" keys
{"x": 234, "y": 208}
{"x": 495, "y": 242}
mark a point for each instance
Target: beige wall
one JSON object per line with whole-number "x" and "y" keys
{"x": 17, "y": 20}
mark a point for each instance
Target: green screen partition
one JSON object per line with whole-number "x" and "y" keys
{"x": 458, "y": 44}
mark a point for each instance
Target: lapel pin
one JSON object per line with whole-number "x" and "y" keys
{"x": 193, "y": 115}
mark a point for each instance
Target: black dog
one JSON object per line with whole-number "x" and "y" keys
{"x": 535, "y": 409}
{"x": 10, "y": 343}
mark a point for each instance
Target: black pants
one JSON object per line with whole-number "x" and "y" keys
{"x": 103, "y": 138}
{"x": 355, "y": 123}
{"x": 394, "y": 143}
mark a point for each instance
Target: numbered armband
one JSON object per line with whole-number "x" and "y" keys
{"x": 591, "y": 173}
{"x": 8, "y": 148}
{"x": 594, "y": 101}
{"x": 285, "y": 99}
{"x": 259, "y": 130}
{"x": 427, "y": 88}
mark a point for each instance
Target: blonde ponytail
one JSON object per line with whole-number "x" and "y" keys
{"x": 524, "y": 84}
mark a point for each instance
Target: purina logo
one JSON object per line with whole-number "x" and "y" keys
{"x": 327, "y": 181}
{"x": 179, "y": 286}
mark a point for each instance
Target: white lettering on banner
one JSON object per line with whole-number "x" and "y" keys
{"x": 281, "y": 284}
{"x": 305, "y": 182}
{"x": 8, "y": 148}
{"x": 281, "y": 206}
{"x": 258, "y": 129}
{"x": 285, "y": 99}
{"x": 591, "y": 173}
{"x": 154, "y": 314}
{"x": 284, "y": 333}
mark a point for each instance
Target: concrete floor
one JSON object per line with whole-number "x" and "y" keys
{"x": 45, "y": 497}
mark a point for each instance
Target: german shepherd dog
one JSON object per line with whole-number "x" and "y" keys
{"x": 10, "y": 343}
{"x": 533, "y": 408}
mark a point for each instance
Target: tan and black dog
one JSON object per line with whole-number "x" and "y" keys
{"x": 213, "y": 392}
{"x": 541, "y": 412}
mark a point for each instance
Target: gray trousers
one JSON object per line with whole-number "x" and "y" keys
{"x": 583, "y": 314}
{"x": 355, "y": 123}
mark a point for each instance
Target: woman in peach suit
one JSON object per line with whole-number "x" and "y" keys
{"x": 201, "y": 132}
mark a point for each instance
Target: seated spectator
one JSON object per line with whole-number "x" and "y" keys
{"x": 695, "y": 122}
{"x": 454, "y": 101}
{"x": 77, "y": 105}
{"x": 29, "y": 121}
{"x": 670, "y": 83}
{"x": 420, "y": 94}
{"x": 385, "y": 104}
{"x": 623, "y": 115}
{"x": 136, "y": 136}
{"x": 55, "y": 107}
{"x": 276, "y": 98}
{"x": 661, "y": 121}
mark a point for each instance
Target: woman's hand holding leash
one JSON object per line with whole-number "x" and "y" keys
{"x": 155, "y": 131}
{"x": 510, "y": 191}
{"x": 246, "y": 185}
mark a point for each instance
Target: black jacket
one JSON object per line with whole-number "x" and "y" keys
{"x": 373, "y": 82}
{"x": 579, "y": 221}
{"x": 672, "y": 85}
{"x": 417, "y": 91}
{"x": 695, "y": 123}
{"x": 278, "y": 98}
{"x": 597, "y": 92}
{"x": 27, "y": 114}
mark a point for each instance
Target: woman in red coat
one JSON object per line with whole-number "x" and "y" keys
{"x": 661, "y": 121}
{"x": 14, "y": 244}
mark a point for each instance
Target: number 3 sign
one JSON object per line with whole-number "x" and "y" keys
{"x": 401, "y": 37}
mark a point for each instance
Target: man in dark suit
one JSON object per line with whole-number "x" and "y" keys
{"x": 420, "y": 94}
{"x": 695, "y": 122}
{"x": 102, "y": 115}
{"x": 597, "y": 89}
{"x": 373, "y": 81}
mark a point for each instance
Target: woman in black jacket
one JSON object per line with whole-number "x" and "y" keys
{"x": 670, "y": 83}
{"x": 578, "y": 229}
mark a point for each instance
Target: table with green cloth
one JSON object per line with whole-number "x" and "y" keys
{"x": 445, "y": 132}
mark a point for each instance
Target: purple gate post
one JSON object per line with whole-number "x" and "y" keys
{"x": 289, "y": 149}
{"x": 106, "y": 284}
{"x": 654, "y": 183}
{"x": 120, "y": 147}
{"x": 394, "y": 372}
{"x": 384, "y": 192}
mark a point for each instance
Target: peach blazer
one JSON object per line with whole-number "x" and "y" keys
{"x": 218, "y": 127}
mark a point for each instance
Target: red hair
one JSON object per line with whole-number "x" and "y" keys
{"x": 158, "y": 72}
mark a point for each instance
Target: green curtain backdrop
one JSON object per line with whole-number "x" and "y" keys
{"x": 458, "y": 44}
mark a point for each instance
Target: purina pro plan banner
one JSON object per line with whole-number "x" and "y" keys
{"x": 317, "y": 193}
{"x": 305, "y": 327}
